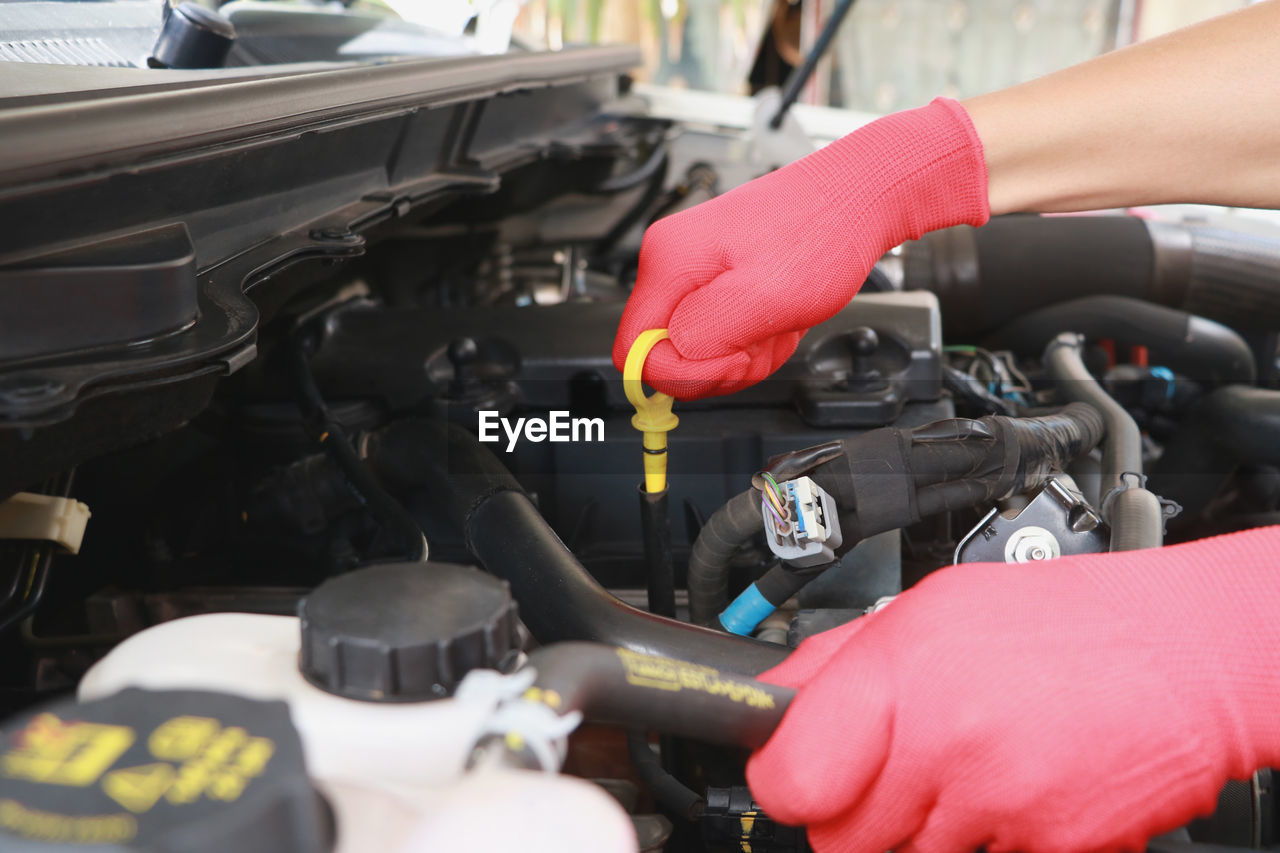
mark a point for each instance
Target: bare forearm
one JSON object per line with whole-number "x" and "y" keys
{"x": 1193, "y": 116}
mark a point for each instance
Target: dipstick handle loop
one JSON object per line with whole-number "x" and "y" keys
{"x": 653, "y": 415}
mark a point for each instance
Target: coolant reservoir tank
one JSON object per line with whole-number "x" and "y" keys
{"x": 412, "y": 743}
{"x": 392, "y": 636}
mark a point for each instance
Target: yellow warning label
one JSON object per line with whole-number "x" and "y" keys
{"x": 216, "y": 762}
{"x": 197, "y": 774}
{"x": 182, "y": 737}
{"x": 55, "y": 752}
{"x": 673, "y": 675}
{"x": 138, "y": 788}
{"x": 199, "y": 758}
{"x": 77, "y": 829}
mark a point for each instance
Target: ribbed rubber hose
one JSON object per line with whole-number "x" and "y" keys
{"x": 1135, "y": 514}
{"x": 729, "y": 528}
{"x": 988, "y": 277}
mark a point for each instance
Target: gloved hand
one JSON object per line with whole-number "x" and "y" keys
{"x": 1085, "y": 703}
{"x": 738, "y": 279}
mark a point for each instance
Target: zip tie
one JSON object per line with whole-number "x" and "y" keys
{"x": 525, "y": 718}
{"x": 653, "y": 415}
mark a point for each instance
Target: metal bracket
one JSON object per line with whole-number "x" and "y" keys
{"x": 1057, "y": 521}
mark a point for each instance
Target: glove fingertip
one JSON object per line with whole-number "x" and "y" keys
{"x": 812, "y": 655}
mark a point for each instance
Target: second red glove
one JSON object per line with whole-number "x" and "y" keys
{"x": 1084, "y": 703}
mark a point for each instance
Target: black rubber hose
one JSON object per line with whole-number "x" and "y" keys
{"x": 655, "y": 527}
{"x": 729, "y": 528}
{"x": 332, "y": 436}
{"x": 622, "y": 687}
{"x": 780, "y": 581}
{"x": 1193, "y": 346}
{"x": 1137, "y": 521}
{"x": 655, "y": 162}
{"x": 1228, "y": 426}
{"x": 1229, "y": 276}
{"x": 988, "y": 277}
{"x": 443, "y": 460}
{"x": 558, "y": 598}
{"x": 670, "y": 793}
{"x": 1122, "y": 448}
{"x": 647, "y": 202}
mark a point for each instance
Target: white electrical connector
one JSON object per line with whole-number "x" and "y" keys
{"x": 27, "y": 515}
{"x": 811, "y": 531}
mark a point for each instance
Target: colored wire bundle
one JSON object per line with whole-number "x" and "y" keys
{"x": 997, "y": 370}
{"x": 771, "y": 497}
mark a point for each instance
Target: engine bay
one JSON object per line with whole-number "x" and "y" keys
{"x": 338, "y": 395}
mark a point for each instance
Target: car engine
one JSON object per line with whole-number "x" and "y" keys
{"x": 324, "y": 523}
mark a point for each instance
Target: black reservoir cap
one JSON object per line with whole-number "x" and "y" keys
{"x": 180, "y": 771}
{"x": 406, "y": 632}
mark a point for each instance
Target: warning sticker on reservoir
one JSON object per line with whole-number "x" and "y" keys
{"x": 130, "y": 767}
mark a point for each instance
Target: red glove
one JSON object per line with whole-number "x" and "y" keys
{"x": 1085, "y": 703}
{"x": 738, "y": 279}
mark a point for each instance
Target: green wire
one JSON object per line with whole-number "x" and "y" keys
{"x": 775, "y": 490}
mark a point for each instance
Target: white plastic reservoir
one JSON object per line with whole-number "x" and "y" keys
{"x": 394, "y": 772}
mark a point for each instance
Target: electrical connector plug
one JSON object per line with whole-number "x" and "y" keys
{"x": 808, "y": 532}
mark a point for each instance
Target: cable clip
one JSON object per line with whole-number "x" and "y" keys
{"x": 653, "y": 415}
{"x": 519, "y": 715}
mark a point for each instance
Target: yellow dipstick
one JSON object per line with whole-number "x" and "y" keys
{"x": 653, "y": 415}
